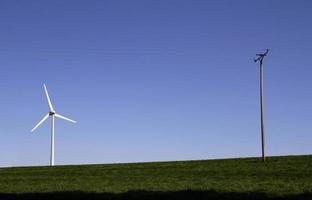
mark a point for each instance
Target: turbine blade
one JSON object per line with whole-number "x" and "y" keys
{"x": 42, "y": 120}
{"x": 65, "y": 118}
{"x": 49, "y": 101}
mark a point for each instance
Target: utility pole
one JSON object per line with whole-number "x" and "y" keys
{"x": 260, "y": 59}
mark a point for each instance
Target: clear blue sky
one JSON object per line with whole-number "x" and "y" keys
{"x": 153, "y": 80}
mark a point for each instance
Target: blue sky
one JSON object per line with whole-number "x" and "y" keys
{"x": 153, "y": 80}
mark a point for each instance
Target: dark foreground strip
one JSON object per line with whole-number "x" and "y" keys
{"x": 140, "y": 195}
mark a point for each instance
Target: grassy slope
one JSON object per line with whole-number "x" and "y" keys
{"x": 280, "y": 176}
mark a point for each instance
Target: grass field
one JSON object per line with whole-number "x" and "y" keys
{"x": 288, "y": 177}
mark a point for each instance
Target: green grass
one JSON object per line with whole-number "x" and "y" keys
{"x": 288, "y": 177}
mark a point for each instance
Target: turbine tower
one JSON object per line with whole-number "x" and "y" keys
{"x": 52, "y": 114}
{"x": 260, "y": 59}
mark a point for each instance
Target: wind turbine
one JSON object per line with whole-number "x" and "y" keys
{"x": 52, "y": 114}
{"x": 260, "y": 59}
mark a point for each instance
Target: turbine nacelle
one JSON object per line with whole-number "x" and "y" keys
{"x": 52, "y": 113}
{"x": 261, "y": 55}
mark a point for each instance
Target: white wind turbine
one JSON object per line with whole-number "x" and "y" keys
{"x": 52, "y": 114}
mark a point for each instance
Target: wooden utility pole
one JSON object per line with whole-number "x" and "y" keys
{"x": 260, "y": 58}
